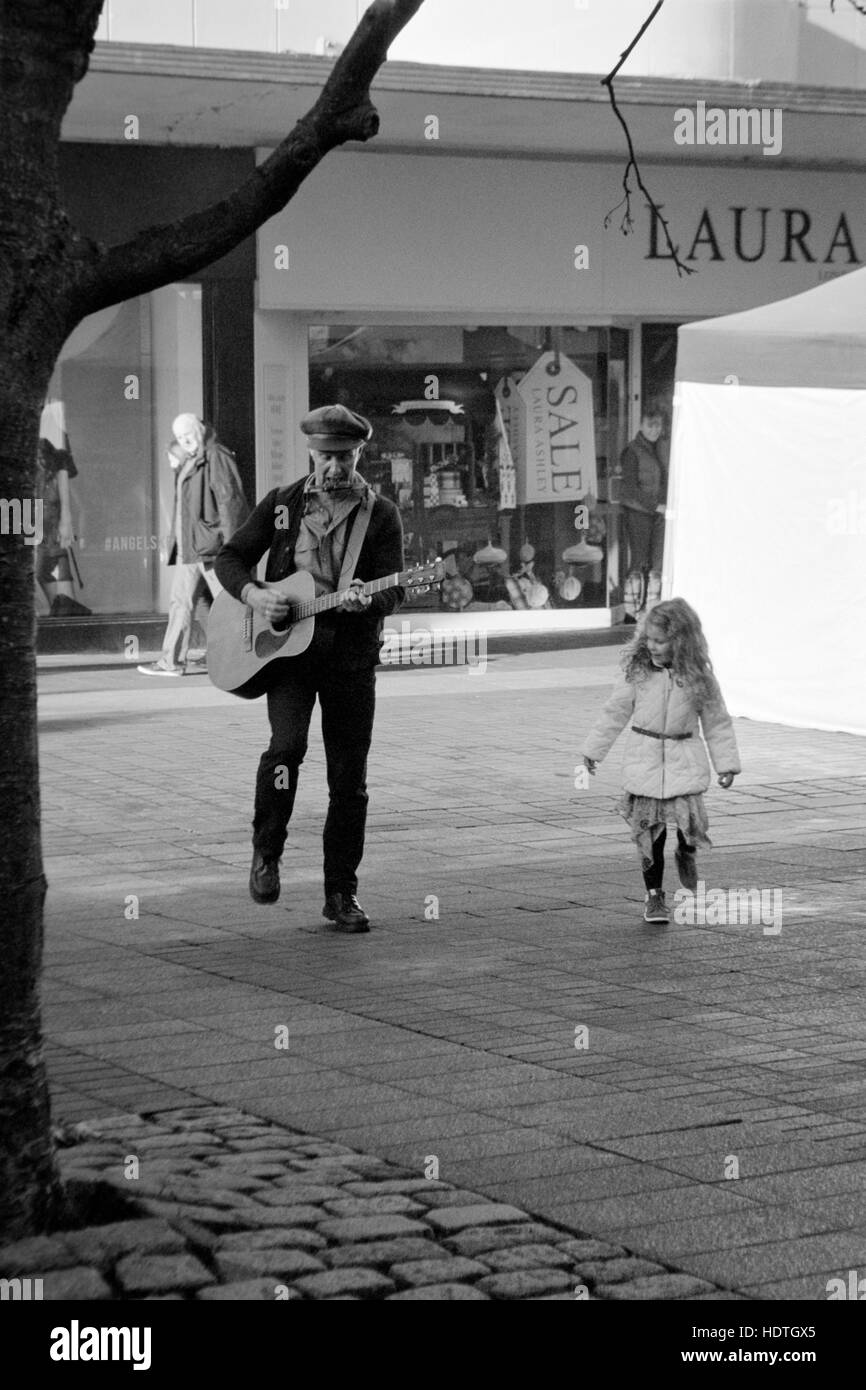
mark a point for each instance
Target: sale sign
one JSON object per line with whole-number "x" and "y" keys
{"x": 556, "y": 462}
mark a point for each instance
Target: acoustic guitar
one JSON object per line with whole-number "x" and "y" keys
{"x": 242, "y": 643}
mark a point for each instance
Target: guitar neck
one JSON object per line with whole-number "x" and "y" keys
{"x": 328, "y": 601}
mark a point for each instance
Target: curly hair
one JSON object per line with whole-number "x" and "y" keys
{"x": 690, "y": 658}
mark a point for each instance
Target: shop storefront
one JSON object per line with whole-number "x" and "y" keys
{"x": 502, "y": 342}
{"x": 121, "y": 379}
{"x": 110, "y": 406}
{"x": 462, "y": 280}
{"x": 450, "y": 408}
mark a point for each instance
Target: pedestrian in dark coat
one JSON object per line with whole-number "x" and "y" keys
{"x": 643, "y": 495}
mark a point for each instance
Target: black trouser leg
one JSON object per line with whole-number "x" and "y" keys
{"x": 654, "y": 869}
{"x": 348, "y": 700}
{"x": 290, "y": 705}
{"x": 639, "y": 534}
{"x": 683, "y": 845}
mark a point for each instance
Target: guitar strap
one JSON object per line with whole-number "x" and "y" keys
{"x": 356, "y": 540}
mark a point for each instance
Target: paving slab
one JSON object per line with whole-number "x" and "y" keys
{"x": 448, "y": 1042}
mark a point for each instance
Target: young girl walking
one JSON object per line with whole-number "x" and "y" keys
{"x": 667, "y": 689}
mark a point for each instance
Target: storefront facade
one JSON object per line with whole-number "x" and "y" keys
{"x": 454, "y": 281}
{"x": 123, "y": 376}
{"x": 502, "y": 341}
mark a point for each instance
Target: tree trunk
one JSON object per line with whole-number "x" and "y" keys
{"x": 43, "y": 53}
{"x": 50, "y": 278}
{"x": 30, "y": 1192}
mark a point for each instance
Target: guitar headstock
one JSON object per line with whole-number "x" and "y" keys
{"x": 425, "y": 575}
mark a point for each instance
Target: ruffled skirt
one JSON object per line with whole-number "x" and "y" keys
{"x": 648, "y": 815}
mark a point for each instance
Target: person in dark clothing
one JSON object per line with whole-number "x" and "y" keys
{"x": 309, "y": 525}
{"x": 643, "y": 496}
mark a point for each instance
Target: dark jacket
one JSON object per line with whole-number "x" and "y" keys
{"x": 213, "y": 505}
{"x": 357, "y": 636}
{"x": 644, "y": 476}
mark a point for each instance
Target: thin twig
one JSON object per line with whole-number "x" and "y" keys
{"x": 627, "y": 223}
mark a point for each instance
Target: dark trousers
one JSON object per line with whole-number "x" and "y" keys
{"x": 646, "y": 540}
{"x": 347, "y": 700}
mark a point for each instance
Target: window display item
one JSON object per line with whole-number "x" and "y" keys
{"x": 451, "y": 493}
{"x": 504, "y": 457}
{"x": 568, "y": 586}
{"x": 582, "y": 554}
{"x": 490, "y": 555}
{"x": 533, "y": 593}
{"x": 418, "y": 411}
{"x": 457, "y": 593}
{"x": 55, "y": 557}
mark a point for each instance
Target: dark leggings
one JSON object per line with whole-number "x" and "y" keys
{"x": 654, "y": 869}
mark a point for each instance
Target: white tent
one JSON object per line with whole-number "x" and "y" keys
{"x": 766, "y": 532}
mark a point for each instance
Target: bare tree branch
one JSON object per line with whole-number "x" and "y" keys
{"x": 861, "y": 9}
{"x": 158, "y": 255}
{"x": 627, "y": 223}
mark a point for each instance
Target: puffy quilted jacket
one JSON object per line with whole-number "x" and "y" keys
{"x": 664, "y": 767}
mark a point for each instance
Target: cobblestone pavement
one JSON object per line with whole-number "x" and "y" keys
{"x": 241, "y": 1209}
{"x": 693, "y": 1094}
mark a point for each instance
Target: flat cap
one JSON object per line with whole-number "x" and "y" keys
{"x": 335, "y": 427}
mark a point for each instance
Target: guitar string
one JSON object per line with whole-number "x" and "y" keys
{"x": 327, "y": 601}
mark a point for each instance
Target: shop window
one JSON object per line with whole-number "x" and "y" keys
{"x": 496, "y": 443}
{"x": 98, "y": 414}
{"x": 122, "y": 377}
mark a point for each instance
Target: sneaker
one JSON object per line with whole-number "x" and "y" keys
{"x": 160, "y": 668}
{"x": 197, "y": 666}
{"x": 687, "y": 869}
{"x": 655, "y": 909}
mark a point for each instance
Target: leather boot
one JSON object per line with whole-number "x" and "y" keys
{"x": 347, "y": 914}
{"x": 264, "y": 879}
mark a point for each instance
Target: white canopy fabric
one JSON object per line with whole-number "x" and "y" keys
{"x": 766, "y": 533}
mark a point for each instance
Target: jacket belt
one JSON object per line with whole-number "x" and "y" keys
{"x": 649, "y": 733}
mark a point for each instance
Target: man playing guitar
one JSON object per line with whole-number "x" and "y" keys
{"x": 309, "y": 525}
